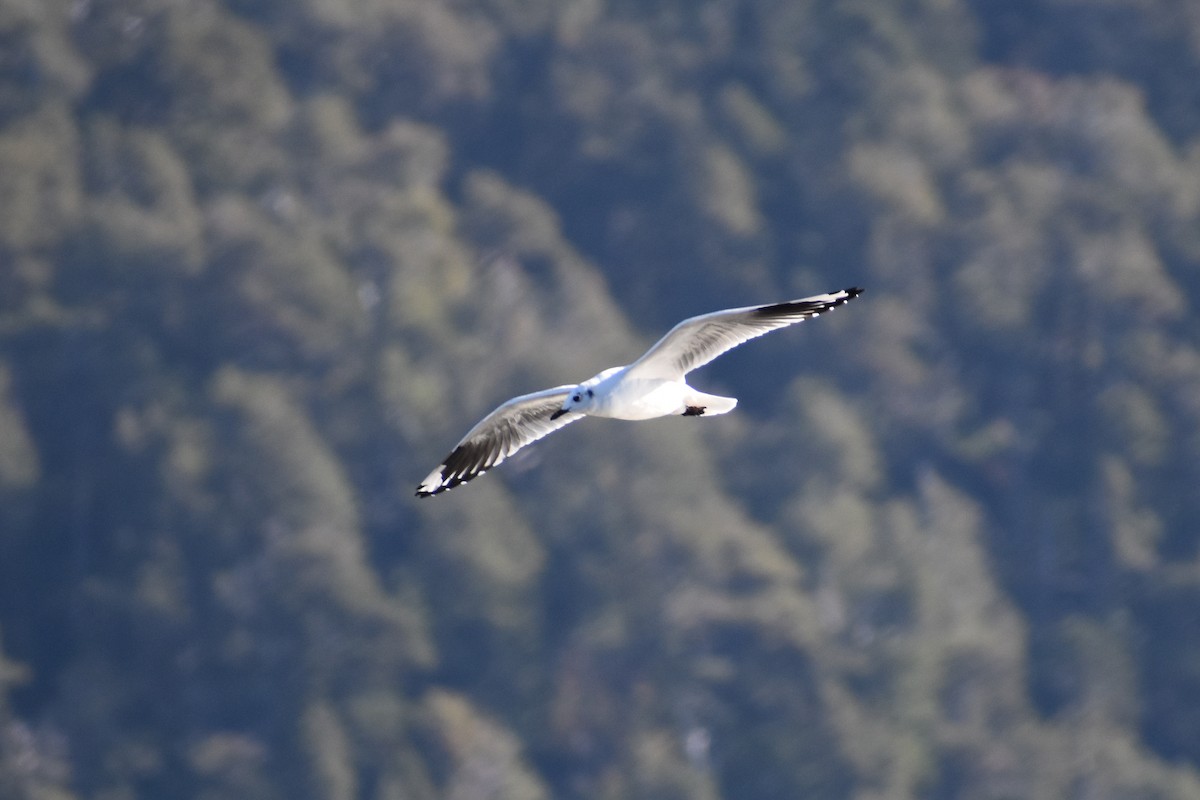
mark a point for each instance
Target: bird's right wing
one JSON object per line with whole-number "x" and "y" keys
{"x": 521, "y": 421}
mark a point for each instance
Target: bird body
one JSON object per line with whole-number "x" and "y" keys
{"x": 653, "y": 386}
{"x": 615, "y": 394}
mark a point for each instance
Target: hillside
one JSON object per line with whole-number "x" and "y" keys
{"x": 262, "y": 263}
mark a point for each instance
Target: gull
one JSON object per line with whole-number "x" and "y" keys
{"x": 653, "y": 386}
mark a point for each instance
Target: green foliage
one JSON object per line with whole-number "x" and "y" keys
{"x": 474, "y": 756}
{"x": 262, "y": 262}
{"x": 39, "y": 178}
{"x": 144, "y": 217}
{"x": 19, "y": 466}
{"x": 32, "y": 764}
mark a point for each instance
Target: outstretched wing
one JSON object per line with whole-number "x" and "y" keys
{"x": 697, "y": 341}
{"x": 506, "y": 430}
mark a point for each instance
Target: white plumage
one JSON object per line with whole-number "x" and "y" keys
{"x": 653, "y": 386}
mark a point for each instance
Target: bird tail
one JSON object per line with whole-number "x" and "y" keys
{"x": 708, "y": 405}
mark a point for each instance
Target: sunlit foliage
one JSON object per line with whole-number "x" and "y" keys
{"x": 262, "y": 262}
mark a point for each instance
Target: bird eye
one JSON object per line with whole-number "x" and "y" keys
{"x": 576, "y": 399}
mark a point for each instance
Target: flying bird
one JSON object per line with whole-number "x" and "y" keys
{"x": 653, "y": 386}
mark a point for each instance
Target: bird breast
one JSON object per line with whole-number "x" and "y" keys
{"x": 641, "y": 399}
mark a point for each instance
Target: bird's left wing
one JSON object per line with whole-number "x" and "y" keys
{"x": 518, "y": 422}
{"x": 698, "y": 340}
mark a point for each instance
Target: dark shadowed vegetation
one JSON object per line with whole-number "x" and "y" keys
{"x": 262, "y": 263}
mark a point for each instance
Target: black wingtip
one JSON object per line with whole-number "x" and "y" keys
{"x": 446, "y": 485}
{"x": 463, "y": 465}
{"x": 806, "y": 306}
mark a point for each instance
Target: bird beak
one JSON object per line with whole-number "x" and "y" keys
{"x": 558, "y": 413}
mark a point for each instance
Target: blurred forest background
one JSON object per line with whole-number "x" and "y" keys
{"x": 262, "y": 262}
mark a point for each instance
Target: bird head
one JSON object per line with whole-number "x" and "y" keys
{"x": 578, "y": 400}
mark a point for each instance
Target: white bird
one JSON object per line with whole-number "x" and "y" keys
{"x": 653, "y": 386}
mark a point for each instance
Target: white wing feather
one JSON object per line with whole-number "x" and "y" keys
{"x": 698, "y": 340}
